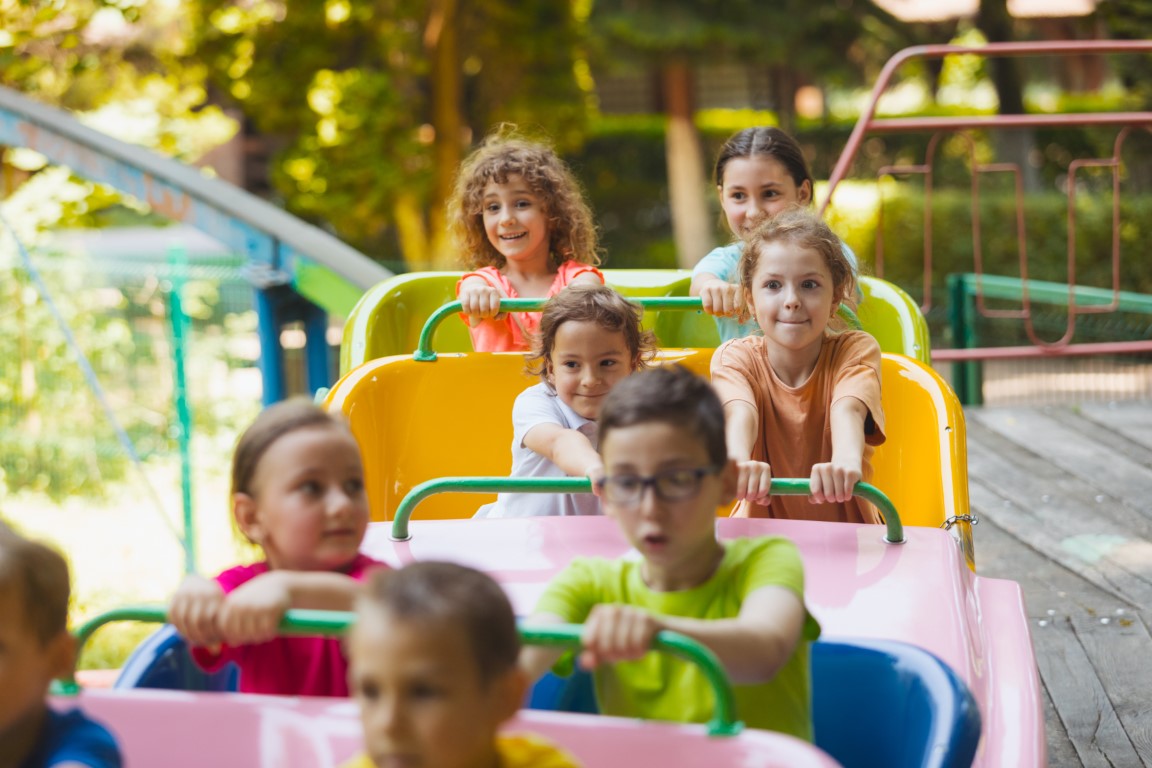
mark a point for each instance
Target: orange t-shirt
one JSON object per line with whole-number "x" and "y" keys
{"x": 795, "y": 422}
{"x": 507, "y": 333}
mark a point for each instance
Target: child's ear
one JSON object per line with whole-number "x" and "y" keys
{"x": 804, "y": 194}
{"x": 729, "y": 476}
{"x": 61, "y": 652}
{"x": 508, "y": 693}
{"x": 246, "y": 512}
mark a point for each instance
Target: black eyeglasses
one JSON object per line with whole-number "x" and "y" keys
{"x": 669, "y": 485}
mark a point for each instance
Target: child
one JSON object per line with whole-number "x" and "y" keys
{"x": 800, "y": 401}
{"x": 760, "y": 173}
{"x": 667, "y": 471}
{"x": 298, "y": 494}
{"x": 35, "y": 647}
{"x": 590, "y": 338}
{"x": 434, "y": 670}
{"x": 520, "y": 219}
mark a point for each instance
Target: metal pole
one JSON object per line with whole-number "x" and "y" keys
{"x": 178, "y": 265}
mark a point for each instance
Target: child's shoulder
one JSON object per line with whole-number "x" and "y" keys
{"x": 230, "y": 578}
{"x": 852, "y": 345}
{"x": 73, "y": 737}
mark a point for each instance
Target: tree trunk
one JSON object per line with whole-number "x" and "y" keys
{"x": 1012, "y": 145}
{"x": 442, "y": 44}
{"x": 687, "y": 186}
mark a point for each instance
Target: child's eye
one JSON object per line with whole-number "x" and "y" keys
{"x": 772, "y": 285}
{"x": 426, "y": 691}
{"x": 354, "y": 487}
{"x": 810, "y": 284}
{"x": 608, "y": 363}
{"x": 523, "y": 203}
{"x": 737, "y": 196}
{"x": 368, "y": 691}
{"x": 492, "y": 208}
{"x": 310, "y": 487}
{"x": 571, "y": 364}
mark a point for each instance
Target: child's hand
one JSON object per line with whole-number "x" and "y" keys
{"x": 833, "y": 482}
{"x": 195, "y": 610}
{"x": 615, "y": 632}
{"x": 479, "y": 300}
{"x": 595, "y": 473}
{"x": 753, "y": 481}
{"x": 252, "y": 612}
{"x": 722, "y": 298}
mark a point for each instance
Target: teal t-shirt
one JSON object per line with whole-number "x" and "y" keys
{"x": 661, "y": 687}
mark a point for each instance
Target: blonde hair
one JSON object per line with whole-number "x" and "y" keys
{"x": 571, "y": 231}
{"x": 805, "y": 230}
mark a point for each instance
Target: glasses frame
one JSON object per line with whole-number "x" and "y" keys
{"x": 651, "y": 481}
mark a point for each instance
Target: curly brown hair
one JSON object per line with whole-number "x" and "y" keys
{"x": 571, "y": 230}
{"x": 590, "y": 304}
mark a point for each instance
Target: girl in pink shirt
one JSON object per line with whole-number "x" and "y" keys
{"x": 298, "y": 494}
{"x": 521, "y": 222}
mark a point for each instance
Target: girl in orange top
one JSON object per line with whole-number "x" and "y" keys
{"x": 520, "y": 219}
{"x": 801, "y": 400}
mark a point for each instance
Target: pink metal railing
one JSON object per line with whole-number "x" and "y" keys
{"x": 939, "y": 126}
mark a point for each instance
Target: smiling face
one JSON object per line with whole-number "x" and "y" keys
{"x": 793, "y": 299}
{"x": 676, "y": 538}
{"x": 586, "y": 362}
{"x": 307, "y": 510}
{"x": 758, "y": 187}
{"x": 422, "y": 701}
{"x": 515, "y": 221}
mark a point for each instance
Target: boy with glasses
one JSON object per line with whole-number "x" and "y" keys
{"x": 666, "y": 472}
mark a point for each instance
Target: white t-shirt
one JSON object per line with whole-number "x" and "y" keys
{"x": 536, "y": 405}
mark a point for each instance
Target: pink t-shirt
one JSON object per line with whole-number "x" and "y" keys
{"x": 287, "y": 666}
{"x": 507, "y": 334}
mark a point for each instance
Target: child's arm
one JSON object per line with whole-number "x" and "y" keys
{"x": 833, "y": 481}
{"x": 718, "y": 296}
{"x": 752, "y": 647}
{"x": 568, "y": 449}
{"x": 195, "y": 609}
{"x": 535, "y": 660}
{"x": 741, "y": 425}
{"x": 478, "y": 300}
{"x": 252, "y": 612}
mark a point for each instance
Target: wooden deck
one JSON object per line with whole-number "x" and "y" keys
{"x": 1064, "y": 495}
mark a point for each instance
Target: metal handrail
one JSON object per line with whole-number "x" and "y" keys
{"x": 779, "y": 487}
{"x": 424, "y": 352}
{"x": 329, "y": 623}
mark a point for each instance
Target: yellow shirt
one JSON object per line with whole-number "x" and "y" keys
{"x": 515, "y": 751}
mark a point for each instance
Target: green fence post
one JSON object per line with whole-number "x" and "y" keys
{"x": 967, "y": 376}
{"x": 178, "y": 264}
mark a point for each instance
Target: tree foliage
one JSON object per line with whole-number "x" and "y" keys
{"x": 366, "y": 97}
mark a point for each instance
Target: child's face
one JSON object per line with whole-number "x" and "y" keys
{"x": 792, "y": 298}
{"x": 515, "y": 221}
{"x": 422, "y": 701}
{"x": 308, "y": 510}
{"x": 756, "y": 188}
{"x": 586, "y": 362}
{"x": 674, "y": 536}
{"x": 27, "y": 667}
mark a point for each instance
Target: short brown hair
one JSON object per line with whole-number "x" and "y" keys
{"x": 448, "y": 592}
{"x": 590, "y": 303}
{"x": 672, "y": 395}
{"x": 39, "y": 575}
{"x": 571, "y": 228}
{"x": 273, "y": 423}
{"x": 805, "y": 230}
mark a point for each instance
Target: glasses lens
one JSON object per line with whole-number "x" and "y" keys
{"x": 623, "y": 489}
{"x": 677, "y": 484}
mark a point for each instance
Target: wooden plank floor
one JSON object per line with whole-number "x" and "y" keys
{"x": 1064, "y": 494}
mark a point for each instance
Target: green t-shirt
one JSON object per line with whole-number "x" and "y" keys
{"x": 660, "y": 687}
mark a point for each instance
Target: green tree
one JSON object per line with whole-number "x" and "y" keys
{"x": 797, "y": 41}
{"x": 376, "y": 102}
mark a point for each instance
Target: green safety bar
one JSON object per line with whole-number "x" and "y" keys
{"x": 779, "y": 487}
{"x": 723, "y": 722}
{"x": 313, "y": 622}
{"x": 424, "y": 352}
